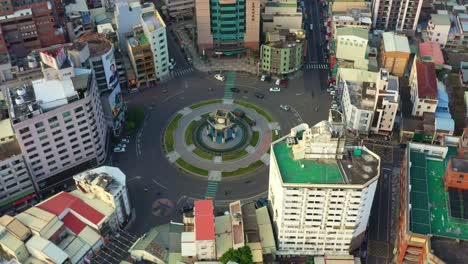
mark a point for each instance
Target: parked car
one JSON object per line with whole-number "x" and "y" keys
{"x": 278, "y": 81}
{"x": 263, "y": 78}
{"x": 285, "y": 107}
{"x": 235, "y": 90}
{"x": 259, "y": 95}
{"x": 332, "y": 92}
{"x": 219, "y": 77}
{"x": 119, "y": 149}
{"x": 284, "y": 83}
{"x": 261, "y": 203}
{"x": 275, "y": 89}
{"x": 125, "y": 141}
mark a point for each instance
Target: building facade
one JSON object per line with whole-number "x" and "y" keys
{"x": 283, "y": 56}
{"x": 396, "y": 15}
{"x": 141, "y": 58}
{"x": 395, "y": 53}
{"x": 127, "y": 15}
{"x": 351, "y": 47}
{"x": 281, "y": 15}
{"x": 438, "y": 29}
{"x": 180, "y": 9}
{"x": 227, "y": 27}
{"x": 350, "y": 14}
{"x": 423, "y": 88}
{"x": 315, "y": 214}
{"x": 27, "y": 25}
{"x": 58, "y": 120}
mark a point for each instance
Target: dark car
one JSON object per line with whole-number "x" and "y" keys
{"x": 235, "y": 90}
{"x": 259, "y": 95}
{"x": 186, "y": 209}
{"x": 261, "y": 203}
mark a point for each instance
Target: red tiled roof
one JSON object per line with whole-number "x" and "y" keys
{"x": 204, "y": 220}
{"x": 427, "y": 84}
{"x": 73, "y": 223}
{"x": 64, "y": 200}
{"x": 431, "y": 50}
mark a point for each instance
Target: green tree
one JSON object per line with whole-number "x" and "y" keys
{"x": 242, "y": 255}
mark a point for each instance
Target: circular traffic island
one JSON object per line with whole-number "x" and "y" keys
{"x": 219, "y": 139}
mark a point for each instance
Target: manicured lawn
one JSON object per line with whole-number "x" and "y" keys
{"x": 255, "y": 137}
{"x": 247, "y": 119}
{"x": 247, "y": 169}
{"x": 256, "y": 108}
{"x": 200, "y": 104}
{"x": 236, "y": 155}
{"x": 205, "y": 115}
{"x": 189, "y": 167}
{"x": 203, "y": 154}
{"x": 189, "y": 133}
{"x": 169, "y": 134}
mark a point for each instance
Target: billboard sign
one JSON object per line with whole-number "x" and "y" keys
{"x": 116, "y": 101}
{"x": 55, "y": 59}
{"x": 110, "y": 69}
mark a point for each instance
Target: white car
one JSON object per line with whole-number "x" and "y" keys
{"x": 172, "y": 60}
{"x": 278, "y": 81}
{"x": 119, "y": 149}
{"x": 285, "y": 107}
{"x": 263, "y": 78}
{"x": 171, "y": 67}
{"x": 332, "y": 92}
{"x": 275, "y": 89}
{"x": 219, "y": 77}
{"x": 125, "y": 141}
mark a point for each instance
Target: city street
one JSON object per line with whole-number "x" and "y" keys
{"x": 167, "y": 188}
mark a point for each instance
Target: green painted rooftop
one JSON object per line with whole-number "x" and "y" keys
{"x": 314, "y": 171}
{"x": 142, "y": 39}
{"x": 429, "y": 200}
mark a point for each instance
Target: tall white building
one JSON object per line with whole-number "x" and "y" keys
{"x": 369, "y": 100}
{"x": 438, "y": 29}
{"x": 321, "y": 191}
{"x": 155, "y": 30}
{"x": 108, "y": 185}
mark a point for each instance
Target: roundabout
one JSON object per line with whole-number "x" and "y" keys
{"x": 219, "y": 138}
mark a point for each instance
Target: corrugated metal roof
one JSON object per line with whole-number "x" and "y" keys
{"x": 40, "y": 221}
{"x": 54, "y": 253}
{"x": 431, "y": 50}
{"x": 10, "y": 241}
{"x": 73, "y": 223}
{"x": 97, "y": 204}
{"x": 266, "y": 231}
{"x": 90, "y": 236}
{"x": 16, "y": 228}
{"x": 395, "y": 42}
{"x": 427, "y": 84}
{"x": 188, "y": 244}
{"x": 223, "y": 234}
{"x": 204, "y": 220}
{"x": 440, "y": 19}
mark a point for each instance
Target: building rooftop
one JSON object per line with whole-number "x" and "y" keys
{"x": 74, "y": 247}
{"x": 15, "y": 227}
{"x": 395, "y": 42}
{"x": 9, "y": 149}
{"x": 97, "y": 43}
{"x": 204, "y": 220}
{"x": 110, "y": 179}
{"x": 7, "y": 239}
{"x": 151, "y": 17}
{"x": 139, "y": 39}
{"x": 353, "y": 31}
{"x": 40, "y": 222}
{"x": 265, "y": 230}
{"x": 47, "y": 248}
{"x": 427, "y": 81}
{"x": 440, "y": 19}
{"x": 250, "y": 223}
{"x": 105, "y": 28}
{"x": 430, "y": 205}
{"x": 62, "y": 201}
{"x": 431, "y": 51}
{"x": 223, "y": 234}
{"x": 449, "y": 250}
{"x": 352, "y": 166}
{"x": 73, "y": 223}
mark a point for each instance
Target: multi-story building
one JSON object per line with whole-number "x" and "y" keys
{"x": 423, "y": 87}
{"x": 284, "y": 53}
{"x": 433, "y": 220}
{"x": 204, "y": 230}
{"x": 107, "y": 184}
{"x": 321, "y": 191}
{"x": 141, "y": 58}
{"x": 351, "y": 47}
{"x": 227, "y": 28}
{"x": 27, "y": 25}
{"x": 369, "y": 100}
{"x": 350, "y": 14}
{"x": 438, "y": 29}
{"x": 155, "y": 31}
{"x": 16, "y": 186}
{"x": 432, "y": 52}
{"x": 58, "y": 120}
{"x": 78, "y": 19}
{"x": 127, "y": 15}
{"x": 279, "y": 15}
{"x": 395, "y": 53}
{"x": 180, "y": 9}
{"x": 396, "y": 14}
{"x": 457, "y": 40}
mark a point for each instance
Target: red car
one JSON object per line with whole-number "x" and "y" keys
{"x": 284, "y": 83}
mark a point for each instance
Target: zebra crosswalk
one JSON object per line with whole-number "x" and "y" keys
{"x": 180, "y": 72}
{"x": 211, "y": 189}
{"x": 230, "y": 81}
{"x": 317, "y": 66}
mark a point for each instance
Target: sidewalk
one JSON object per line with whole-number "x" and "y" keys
{"x": 214, "y": 64}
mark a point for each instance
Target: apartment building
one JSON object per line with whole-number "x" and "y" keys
{"x": 433, "y": 225}
{"x": 351, "y": 47}
{"x": 350, "y": 14}
{"x": 155, "y": 31}
{"x": 395, "y": 53}
{"x": 438, "y": 29}
{"x": 283, "y": 53}
{"x": 321, "y": 191}
{"x": 396, "y": 14}
{"x": 279, "y": 15}
{"x": 423, "y": 87}
{"x": 58, "y": 120}
{"x": 204, "y": 230}
{"x": 27, "y": 25}
{"x": 457, "y": 40}
{"x": 227, "y": 28}
{"x": 179, "y": 9}
{"x": 432, "y": 52}
{"x": 141, "y": 58}
{"x": 107, "y": 184}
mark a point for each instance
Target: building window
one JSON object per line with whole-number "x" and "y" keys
{"x": 78, "y": 109}
{"x": 39, "y": 124}
{"x": 24, "y": 130}
{"x": 52, "y": 119}
{"x": 66, "y": 114}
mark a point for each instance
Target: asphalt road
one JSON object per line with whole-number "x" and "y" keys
{"x": 145, "y": 163}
